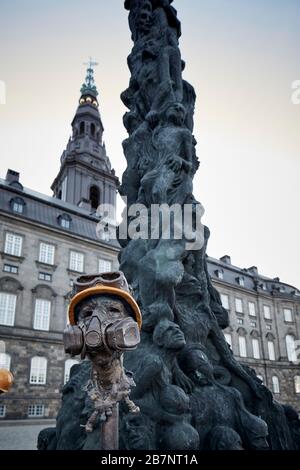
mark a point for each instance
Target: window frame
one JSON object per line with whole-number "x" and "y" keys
{"x": 287, "y": 309}
{"x": 5, "y": 364}
{"x": 227, "y": 301}
{"x": 228, "y": 338}
{"x": 48, "y": 259}
{"x": 271, "y": 348}
{"x": 243, "y": 347}
{"x": 38, "y": 323}
{"x": 3, "y": 412}
{"x": 251, "y": 314}
{"x": 297, "y": 384}
{"x": 36, "y": 406}
{"x": 267, "y": 308}
{"x": 73, "y": 269}
{"x": 67, "y": 371}
{"x": 238, "y": 299}
{"x": 13, "y": 251}
{"x": 105, "y": 260}
{"x": 256, "y": 348}
{"x": 11, "y": 268}
{"x": 275, "y": 385}
{"x": 38, "y": 372}
{"x": 12, "y": 322}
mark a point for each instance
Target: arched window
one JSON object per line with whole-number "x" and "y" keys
{"x": 271, "y": 350}
{"x": 93, "y": 129}
{"x": 275, "y": 384}
{"x": 94, "y": 197}
{"x": 38, "y": 371}
{"x": 68, "y": 365}
{"x": 291, "y": 348}
{"x": 42, "y": 315}
{"x": 297, "y": 384}
{"x": 82, "y": 128}
{"x": 17, "y": 205}
{"x": 256, "y": 349}
{"x": 5, "y": 360}
{"x": 64, "y": 221}
{"x": 242, "y": 346}
{"x": 7, "y": 308}
{"x": 228, "y": 339}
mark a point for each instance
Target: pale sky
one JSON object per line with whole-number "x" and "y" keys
{"x": 242, "y": 57}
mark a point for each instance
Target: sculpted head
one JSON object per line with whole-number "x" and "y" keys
{"x": 176, "y": 114}
{"x": 138, "y": 432}
{"x": 195, "y": 364}
{"x": 168, "y": 335}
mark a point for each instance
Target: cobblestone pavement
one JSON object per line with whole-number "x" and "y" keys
{"x": 20, "y": 437}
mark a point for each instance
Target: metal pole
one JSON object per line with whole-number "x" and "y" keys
{"x": 110, "y": 431}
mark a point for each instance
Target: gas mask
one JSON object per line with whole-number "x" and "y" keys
{"x": 96, "y": 334}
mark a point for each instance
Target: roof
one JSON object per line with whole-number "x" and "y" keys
{"x": 46, "y": 210}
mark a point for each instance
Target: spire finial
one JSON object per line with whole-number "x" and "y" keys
{"x": 89, "y": 85}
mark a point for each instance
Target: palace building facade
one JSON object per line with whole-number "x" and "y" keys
{"x": 46, "y": 242}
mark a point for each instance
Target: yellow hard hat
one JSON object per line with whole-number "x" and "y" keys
{"x": 6, "y": 380}
{"x": 101, "y": 284}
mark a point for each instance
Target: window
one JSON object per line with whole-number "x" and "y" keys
{"x": 5, "y": 361}
{"x": 271, "y": 350}
{"x": 240, "y": 321}
{"x": 42, "y": 315}
{"x": 45, "y": 277}
{"x": 17, "y": 205}
{"x": 241, "y": 281}
{"x": 269, "y": 327}
{"x": 2, "y": 411}
{"x": 93, "y": 129}
{"x": 242, "y": 346}
{"x": 36, "y": 411}
{"x": 225, "y": 301}
{"x": 9, "y": 268}
{"x": 47, "y": 252}
{"x": 253, "y": 324}
{"x": 291, "y": 348}
{"x": 13, "y": 244}
{"x": 275, "y": 384}
{"x": 38, "y": 371}
{"x": 220, "y": 274}
{"x": 228, "y": 338}
{"x": 267, "y": 312}
{"x": 288, "y": 315}
{"x": 82, "y": 128}
{"x": 239, "y": 305}
{"x": 76, "y": 261}
{"x": 260, "y": 377}
{"x": 252, "y": 309}
{"x": 68, "y": 365}
{"x": 7, "y": 309}
{"x": 64, "y": 189}
{"x": 94, "y": 197}
{"x": 297, "y": 384}
{"x": 64, "y": 221}
{"x": 105, "y": 266}
{"x": 255, "y": 347}
{"x": 264, "y": 286}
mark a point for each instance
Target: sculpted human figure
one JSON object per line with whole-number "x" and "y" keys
{"x": 218, "y": 405}
{"x": 170, "y": 181}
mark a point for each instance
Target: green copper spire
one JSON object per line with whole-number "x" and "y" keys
{"x": 89, "y": 86}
